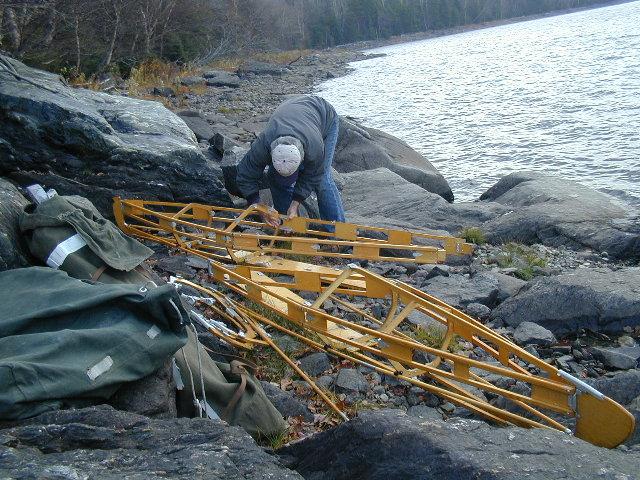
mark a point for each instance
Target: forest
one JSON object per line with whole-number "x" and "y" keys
{"x": 93, "y": 36}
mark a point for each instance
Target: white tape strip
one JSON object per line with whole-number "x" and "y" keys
{"x": 64, "y": 249}
{"x": 99, "y": 368}
{"x": 153, "y": 332}
{"x": 177, "y": 377}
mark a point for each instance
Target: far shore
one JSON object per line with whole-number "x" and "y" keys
{"x": 415, "y": 37}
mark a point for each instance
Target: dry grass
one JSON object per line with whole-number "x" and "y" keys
{"x": 231, "y": 64}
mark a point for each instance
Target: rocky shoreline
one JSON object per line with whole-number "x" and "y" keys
{"x": 559, "y": 274}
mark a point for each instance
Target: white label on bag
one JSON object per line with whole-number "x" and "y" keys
{"x": 64, "y": 249}
{"x": 99, "y": 368}
{"x": 153, "y": 332}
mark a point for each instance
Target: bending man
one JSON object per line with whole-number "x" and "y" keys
{"x": 298, "y": 145}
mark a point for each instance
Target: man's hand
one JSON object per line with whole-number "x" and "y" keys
{"x": 293, "y": 209}
{"x": 271, "y": 217}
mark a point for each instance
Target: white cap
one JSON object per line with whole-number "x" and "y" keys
{"x": 286, "y": 159}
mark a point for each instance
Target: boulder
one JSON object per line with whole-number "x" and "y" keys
{"x": 224, "y": 79}
{"x": 360, "y": 148}
{"x": 623, "y": 387}
{"x": 528, "y": 332}
{"x": 619, "y": 358}
{"x": 260, "y": 68}
{"x": 97, "y": 145}
{"x": 487, "y": 288}
{"x": 384, "y": 444}
{"x": 597, "y": 299}
{"x": 13, "y": 251}
{"x": 198, "y": 125}
{"x": 286, "y": 403}
{"x": 163, "y": 92}
{"x": 553, "y": 211}
{"x": 383, "y": 198}
{"x": 101, "y": 442}
{"x": 191, "y": 81}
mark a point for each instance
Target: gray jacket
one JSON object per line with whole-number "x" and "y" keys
{"x": 307, "y": 118}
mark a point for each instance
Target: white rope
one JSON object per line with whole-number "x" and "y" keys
{"x": 193, "y": 388}
{"x": 204, "y": 395}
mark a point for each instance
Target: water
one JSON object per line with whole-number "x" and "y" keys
{"x": 559, "y": 95}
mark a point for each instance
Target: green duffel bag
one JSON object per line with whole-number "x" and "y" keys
{"x": 231, "y": 390}
{"x": 68, "y": 233}
{"x": 62, "y": 339}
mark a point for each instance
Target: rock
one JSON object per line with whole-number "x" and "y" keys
{"x": 286, "y": 403}
{"x": 596, "y": 299}
{"x": 424, "y": 321}
{"x": 623, "y": 387}
{"x": 191, "y": 81}
{"x": 478, "y": 311}
{"x": 396, "y": 445}
{"x": 382, "y": 198}
{"x": 325, "y": 381}
{"x": 13, "y": 251}
{"x": 315, "y": 364}
{"x": 163, "y": 91}
{"x": 151, "y": 396}
{"x": 101, "y": 442}
{"x": 350, "y": 380}
{"x": 222, "y": 143}
{"x": 97, "y": 145}
{"x": 423, "y": 411}
{"x": 214, "y": 73}
{"x": 224, "y": 79}
{"x": 634, "y": 409}
{"x": 553, "y": 211}
{"x": 486, "y": 288}
{"x": 360, "y": 148}
{"x": 615, "y": 358}
{"x": 528, "y": 332}
{"x": 198, "y": 125}
{"x": 260, "y": 68}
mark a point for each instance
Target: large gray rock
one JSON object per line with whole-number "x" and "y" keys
{"x": 101, "y": 442}
{"x": 315, "y": 364}
{"x": 383, "y": 198}
{"x": 623, "y": 387}
{"x": 361, "y": 148}
{"x": 97, "y": 145}
{"x": 350, "y": 380}
{"x": 486, "y": 288}
{"x": 555, "y": 212}
{"x": 597, "y": 299}
{"x": 13, "y": 251}
{"x": 385, "y": 444}
{"x": 618, "y": 358}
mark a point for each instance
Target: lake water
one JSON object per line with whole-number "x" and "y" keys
{"x": 559, "y": 95}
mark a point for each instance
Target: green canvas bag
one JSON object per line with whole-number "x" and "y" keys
{"x": 62, "y": 338}
{"x": 69, "y": 234}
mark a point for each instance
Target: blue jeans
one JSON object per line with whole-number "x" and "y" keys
{"x": 329, "y": 201}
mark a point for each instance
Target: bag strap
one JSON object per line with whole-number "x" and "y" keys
{"x": 238, "y": 368}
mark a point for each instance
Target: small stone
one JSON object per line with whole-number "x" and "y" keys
{"x": 448, "y": 408}
{"x": 351, "y": 380}
{"x": 478, "y": 310}
{"x": 626, "y": 341}
{"x": 325, "y": 381}
{"x": 315, "y": 364}
{"x": 164, "y": 92}
{"x": 383, "y": 397}
{"x": 529, "y": 332}
{"x": 378, "y": 390}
